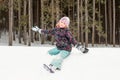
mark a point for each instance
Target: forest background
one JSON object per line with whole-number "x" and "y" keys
{"x": 91, "y": 21}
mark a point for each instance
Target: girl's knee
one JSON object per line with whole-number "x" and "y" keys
{"x": 64, "y": 54}
{"x": 54, "y": 51}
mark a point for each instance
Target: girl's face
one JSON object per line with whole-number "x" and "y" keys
{"x": 62, "y": 24}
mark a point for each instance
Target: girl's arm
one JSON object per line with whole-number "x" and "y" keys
{"x": 71, "y": 38}
{"x": 49, "y": 32}
{"x": 43, "y": 31}
{"x": 75, "y": 43}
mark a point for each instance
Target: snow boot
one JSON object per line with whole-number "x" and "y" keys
{"x": 48, "y": 68}
{"x": 86, "y": 50}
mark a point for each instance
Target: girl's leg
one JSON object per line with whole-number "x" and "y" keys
{"x": 56, "y": 63}
{"x": 53, "y": 51}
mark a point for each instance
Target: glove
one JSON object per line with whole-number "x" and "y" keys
{"x": 36, "y": 29}
{"x": 81, "y": 48}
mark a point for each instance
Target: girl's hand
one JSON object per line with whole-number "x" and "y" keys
{"x": 36, "y": 29}
{"x": 81, "y": 48}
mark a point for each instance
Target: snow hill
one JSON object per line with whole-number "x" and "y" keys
{"x": 26, "y": 63}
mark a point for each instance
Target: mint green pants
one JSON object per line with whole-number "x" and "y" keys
{"x": 60, "y": 56}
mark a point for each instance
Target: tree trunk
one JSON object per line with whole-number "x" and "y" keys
{"x": 99, "y": 17}
{"x": 114, "y": 23}
{"x": 57, "y": 10}
{"x": 38, "y": 10}
{"x": 52, "y": 19}
{"x": 10, "y": 22}
{"x": 78, "y": 19}
{"x": 68, "y": 9}
{"x": 32, "y": 40}
{"x": 30, "y": 20}
{"x": 73, "y": 20}
{"x": 0, "y": 34}
{"x": 81, "y": 21}
{"x": 93, "y": 25}
{"x": 106, "y": 21}
{"x": 86, "y": 23}
{"x": 37, "y": 35}
{"x": 42, "y": 25}
{"x": 14, "y": 33}
{"x": 25, "y": 26}
{"x": 19, "y": 21}
{"x": 110, "y": 20}
{"x": 119, "y": 35}
{"x": 0, "y": 25}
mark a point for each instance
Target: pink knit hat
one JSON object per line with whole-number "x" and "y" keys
{"x": 66, "y": 20}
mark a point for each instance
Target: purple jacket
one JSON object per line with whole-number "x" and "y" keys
{"x": 63, "y": 38}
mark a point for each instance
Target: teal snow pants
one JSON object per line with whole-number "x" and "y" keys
{"x": 60, "y": 56}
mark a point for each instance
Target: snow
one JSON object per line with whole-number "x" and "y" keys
{"x": 22, "y": 62}
{"x": 26, "y": 63}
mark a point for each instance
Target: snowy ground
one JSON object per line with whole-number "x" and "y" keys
{"x": 21, "y": 62}
{"x": 26, "y": 63}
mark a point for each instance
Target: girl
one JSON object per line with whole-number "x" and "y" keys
{"x": 64, "y": 41}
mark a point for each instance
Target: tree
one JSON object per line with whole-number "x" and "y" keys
{"x": 25, "y": 25}
{"x": 99, "y": 19}
{"x": 106, "y": 21}
{"x": 81, "y": 20}
{"x": 110, "y": 19}
{"x": 52, "y": 17}
{"x": 119, "y": 37}
{"x": 10, "y": 22}
{"x": 78, "y": 19}
{"x": 42, "y": 19}
{"x": 19, "y": 20}
{"x": 57, "y": 10}
{"x": 86, "y": 23}
{"x": 113, "y": 23}
{"x": 30, "y": 20}
{"x": 93, "y": 25}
